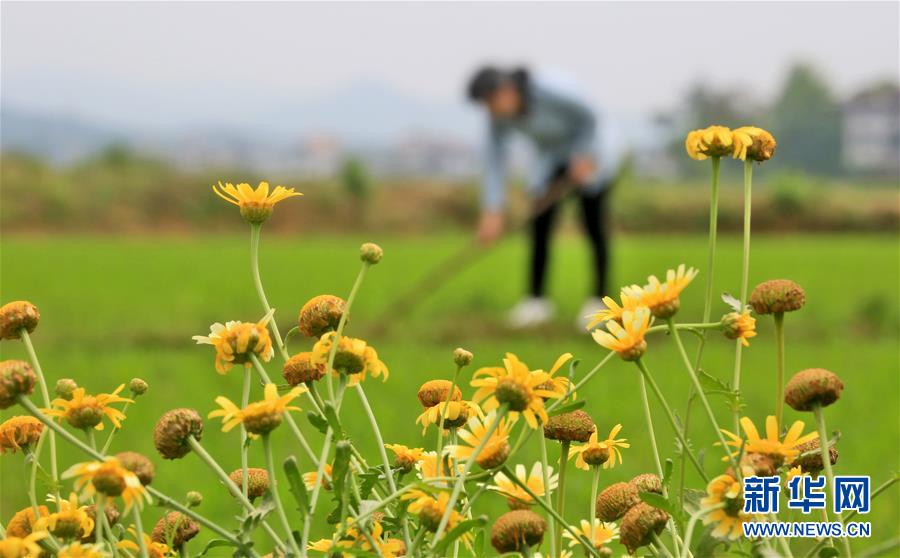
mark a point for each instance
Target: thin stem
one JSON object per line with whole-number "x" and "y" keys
{"x": 32, "y": 476}
{"x": 660, "y": 545}
{"x": 826, "y": 461}
{"x": 100, "y": 530}
{"x": 595, "y": 484}
{"x": 273, "y": 490}
{"x": 685, "y": 430}
{"x": 685, "y": 550}
{"x": 779, "y": 366}
{"x": 748, "y": 206}
{"x": 583, "y": 381}
{"x": 136, "y": 514}
{"x": 45, "y": 394}
{"x": 314, "y": 500}
{"x": 501, "y": 412}
{"x": 711, "y": 250}
{"x": 685, "y": 448}
{"x": 561, "y": 487}
{"x": 649, "y": 419}
{"x": 699, "y": 388}
{"x": 288, "y": 418}
{"x": 113, "y": 432}
{"x": 245, "y": 400}
{"x": 388, "y": 472}
{"x": 260, "y": 292}
{"x": 92, "y": 440}
{"x": 440, "y": 431}
{"x": 547, "y": 497}
{"x": 336, "y": 339}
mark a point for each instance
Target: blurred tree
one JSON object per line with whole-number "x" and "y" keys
{"x": 357, "y": 184}
{"x": 806, "y": 121}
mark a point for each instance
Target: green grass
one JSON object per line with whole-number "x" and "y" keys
{"x": 113, "y": 309}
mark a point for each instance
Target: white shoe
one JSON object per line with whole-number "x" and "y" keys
{"x": 530, "y": 312}
{"x": 590, "y": 307}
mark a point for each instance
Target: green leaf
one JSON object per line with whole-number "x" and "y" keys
{"x": 462, "y": 528}
{"x": 340, "y": 470}
{"x": 317, "y": 421}
{"x": 657, "y": 501}
{"x": 214, "y": 543}
{"x": 567, "y": 408}
{"x": 667, "y": 472}
{"x": 828, "y": 552}
{"x": 295, "y": 481}
{"x": 333, "y": 421}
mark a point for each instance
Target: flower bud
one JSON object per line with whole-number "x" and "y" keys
{"x": 435, "y": 392}
{"x": 516, "y": 530}
{"x": 811, "y": 387}
{"x": 302, "y": 368}
{"x": 16, "y": 316}
{"x": 777, "y": 296}
{"x": 576, "y": 426}
{"x": 647, "y": 482}
{"x": 257, "y": 481}
{"x": 193, "y": 499}
{"x": 138, "y": 464}
{"x": 635, "y": 352}
{"x": 175, "y": 526}
{"x": 256, "y": 213}
{"x": 138, "y": 386}
{"x": 65, "y": 387}
{"x": 761, "y": 145}
{"x": 462, "y": 357}
{"x": 19, "y": 432}
{"x": 640, "y": 524}
{"x": 172, "y": 431}
{"x": 595, "y": 455}
{"x": 371, "y": 253}
{"x": 615, "y": 500}
{"x": 16, "y": 378}
{"x": 810, "y": 458}
{"x": 320, "y": 315}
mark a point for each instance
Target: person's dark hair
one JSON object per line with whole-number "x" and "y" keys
{"x": 488, "y": 79}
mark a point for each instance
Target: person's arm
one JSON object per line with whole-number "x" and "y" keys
{"x": 493, "y": 192}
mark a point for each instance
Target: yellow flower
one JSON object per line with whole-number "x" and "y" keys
{"x": 259, "y": 417}
{"x": 22, "y": 522}
{"x": 456, "y": 414}
{"x": 22, "y": 547}
{"x": 154, "y": 549}
{"x": 517, "y": 387}
{"x": 599, "y": 533}
{"x": 662, "y": 297}
{"x": 19, "y": 432}
{"x": 626, "y": 339}
{"x": 78, "y": 550}
{"x": 495, "y": 450}
{"x": 109, "y": 478}
{"x": 404, "y": 457}
{"x": 309, "y": 479}
{"x": 726, "y": 491}
{"x": 795, "y": 472}
{"x": 608, "y": 449}
{"x": 558, "y": 384}
{"x": 771, "y": 445}
{"x": 255, "y": 205}
{"x": 431, "y": 509}
{"x": 753, "y": 143}
{"x": 70, "y": 522}
{"x": 235, "y": 342}
{"x": 353, "y": 357}
{"x": 714, "y": 141}
{"x": 87, "y": 411}
{"x": 428, "y": 469}
{"x": 614, "y": 310}
{"x": 388, "y": 548}
{"x": 739, "y": 326}
{"x": 534, "y": 480}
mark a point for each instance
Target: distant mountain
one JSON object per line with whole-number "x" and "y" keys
{"x": 60, "y": 138}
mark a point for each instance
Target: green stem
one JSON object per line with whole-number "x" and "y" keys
{"x": 685, "y": 550}
{"x": 646, "y": 376}
{"x": 245, "y": 400}
{"x": 682, "y": 474}
{"x": 314, "y": 500}
{"x": 261, "y": 293}
{"x": 276, "y": 499}
{"x": 583, "y": 381}
{"x": 113, "y": 432}
{"x": 826, "y": 461}
{"x": 92, "y": 440}
{"x": 32, "y": 476}
{"x": 45, "y": 394}
{"x": 288, "y": 418}
{"x": 748, "y": 205}
{"x": 649, "y": 419}
{"x": 661, "y": 545}
{"x": 336, "y": 338}
{"x": 136, "y": 514}
{"x": 501, "y": 412}
{"x": 711, "y": 250}
{"x": 440, "y": 431}
{"x": 595, "y": 484}
{"x": 779, "y": 366}
{"x": 699, "y": 389}
{"x": 100, "y": 521}
{"x": 561, "y": 487}
{"x": 546, "y": 473}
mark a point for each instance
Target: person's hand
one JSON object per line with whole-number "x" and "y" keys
{"x": 490, "y": 227}
{"x": 581, "y": 169}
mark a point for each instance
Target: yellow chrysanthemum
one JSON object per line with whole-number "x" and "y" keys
{"x": 534, "y": 480}
{"x": 78, "y": 550}
{"x": 714, "y": 141}
{"x": 19, "y": 432}
{"x": 795, "y": 472}
{"x": 727, "y": 491}
{"x": 772, "y": 445}
{"x": 456, "y": 414}
{"x": 154, "y": 549}
{"x": 353, "y": 357}
{"x": 431, "y": 509}
{"x": 739, "y": 326}
{"x": 608, "y": 446}
{"x": 236, "y": 341}
{"x": 662, "y": 297}
{"x": 626, "y": 339}
{"x": 495, "y": 450}
{"x": 428, "y": 469}
{"x": 355, "y": 539}
{"x": 259, "y": 417}
{"x": 558, "y": 384}
{"x": 753, "y": 143}
{"x": 600, "y": 533}
{"x": 255, "y": 205}
{"x": 70, "y": 522}
{"x": 406, "y": 457}
{"x": 109, "y": 478}
{"x": 517, "y": 387}
{"x": 87, "y": 411}
{"x": 309, "y": 478}
{"x": 22, "y": 547}
{"x": 614, "y": 310}
{"x": 22, "y": 522}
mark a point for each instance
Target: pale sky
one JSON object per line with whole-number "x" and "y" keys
{"x": 632, "y": 56}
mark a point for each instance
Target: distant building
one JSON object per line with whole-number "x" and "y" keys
{"x": 871, "y": 131}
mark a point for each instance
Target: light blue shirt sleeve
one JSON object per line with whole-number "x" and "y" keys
{"x": 493, "y": 192}
{"x": 581, "y": 117}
